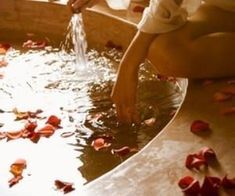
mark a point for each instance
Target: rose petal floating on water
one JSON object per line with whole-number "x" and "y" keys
{"x": 100, "y": 143}
{"x": 26, "y": 115}
{"x": 199, "y": 126}
{"x": 138, "y": 8}
{"x": 17, "y": 169}
{"x": 54, "y": 121}
{"x": 210, "y": 186}
{"x": 47, "y": 131}
{"x": 228, "y": 111}
{"x": 228, "y": 183}
{"x": 150, "y": 122}
{"x": 13, "y": 135}
{"x": 66, "y": 187}
{"x": 195, "y": 161}
{"x": 189, "y": 185}
{"x": 3, "y": 63}
{"x": 35, "y": 44}
{"x": 220, "y": 97}
{"x": 4, "y": 47}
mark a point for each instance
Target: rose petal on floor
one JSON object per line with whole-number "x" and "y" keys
{"x": 207, "y": 153}
{"x": 195, "y": 161}
{"x": 189, "y": 185}
{"x": 199, "y": 126}
{"x": 228, "y": 183}
{"x": 210, "y": 186}
{"x": 228, "y": 111}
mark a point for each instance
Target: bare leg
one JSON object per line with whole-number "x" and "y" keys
{"x": 204, "y": 47}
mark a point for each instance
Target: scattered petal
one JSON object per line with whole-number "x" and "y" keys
{"x": 228, "y": 183}
{"x": 66, "y": 187}
{"x": 210, "y": 186}
{"x": 35, "y": 44}
{"x": 3, "y": 63}
{"x": 13, "y": 135}
{"x": 100, "y": 143}
{"x": 228, "y": 111}
{"x": 4, "y": 47}
{"x": 207, "y": 153}
{"x": 31, "y": 126}
{"x": 220, "y": 97}
{"x": 17, "y": 169}
{"x": 195, "y": 161}
{"x": 150, "y": 122}
{"x": 189, "y": 185}
{"x": 47, "y": 131}
{"x": 199, "y": 126}
{"x": 54, "y": 121}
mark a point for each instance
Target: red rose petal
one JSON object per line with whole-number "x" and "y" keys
{"x": 35, "y": 44}
{"x": 4, "y": 47}
{"x": 17, "y": 169}
{"x": 189, "y": 185}
{"x": 100, "y": 143}
{"x": 228, "y": 111}
{"x": 31, "y": 126}
{"x": 121, "y": 151}
{"x": 195, "y": 161}
{"x": 66, "y": 187}
{"x": 47, "y": 131}
{"x": 207, "y": 153}
{"x": 228, "y": 183}
{"x": 35, "y": 137}
{"x": 199, "y": 126}
{"x": 54, "y": 121}
{"x": 14, "y": 180}
{"x": 230, "y": 90}
{"x": 221, "y": 96}
{"x": 3, "y": 63}
{"x": 210, "y": 186}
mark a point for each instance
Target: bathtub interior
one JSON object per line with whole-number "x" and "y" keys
{"x": 50, "y": 19}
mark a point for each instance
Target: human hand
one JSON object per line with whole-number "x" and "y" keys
{"x": 124, "y": 97}
{"x": 77, "y": 5}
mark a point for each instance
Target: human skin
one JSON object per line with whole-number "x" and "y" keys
{"x": 203, "y": 48}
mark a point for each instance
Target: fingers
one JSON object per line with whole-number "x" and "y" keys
{"x": 77, "y": 5}
{"x": 127, "y": 115}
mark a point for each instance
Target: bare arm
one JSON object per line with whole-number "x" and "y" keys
{"x": 125, "y": 88}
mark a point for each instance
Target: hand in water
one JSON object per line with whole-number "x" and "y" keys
{"x": 77, "y": 5}
{"x": 124, "y": 97}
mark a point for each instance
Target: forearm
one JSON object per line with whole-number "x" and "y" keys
{"x": 135, "y": 53}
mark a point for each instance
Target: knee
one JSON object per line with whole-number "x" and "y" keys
{"x": 170, "y": 54}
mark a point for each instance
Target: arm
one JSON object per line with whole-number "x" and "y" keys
{"x": 124, "y": 90}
